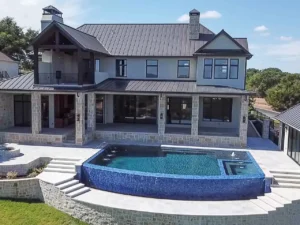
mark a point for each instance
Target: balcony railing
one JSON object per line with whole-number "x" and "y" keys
{"x": 54, "y": 78}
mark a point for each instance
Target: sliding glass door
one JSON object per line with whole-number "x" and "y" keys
{"x": 22, "y": 110}
{"x": 135, "y": 109}
{"x": 294, "y": 144}
{"x": 179, "y": 110}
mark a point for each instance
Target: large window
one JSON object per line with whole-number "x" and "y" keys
{"x": 183, "y": 70}
{"x": 22, "y": 110}
{"x": 179, "y": 110}
{"x": 294, "y": 144}
{"x": 234, "y": 68}
{"x": 121, "y": 68}
{"x": 135, "y": 109}
{"x": 217, "y": 109}
{"x": 221, "y": 68}
{"x": 208, "y": 68}
{"x": 152, "y": 68}
{"x": 99, "y": 108}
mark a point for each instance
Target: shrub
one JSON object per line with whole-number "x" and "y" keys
{"x": 11, "y": 175}
{"x": 35, "y": 171}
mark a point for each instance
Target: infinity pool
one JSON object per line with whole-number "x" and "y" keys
{"x": 174, "y": 173}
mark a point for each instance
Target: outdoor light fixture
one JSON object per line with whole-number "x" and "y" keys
{"x": 161, "y": 116}
{"x": 78, "y": 117}
{"x": 244, "y": 119}
{"x": 245, "y": 97}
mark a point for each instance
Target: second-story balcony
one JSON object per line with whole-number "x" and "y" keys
{"x": 58, "y": 78}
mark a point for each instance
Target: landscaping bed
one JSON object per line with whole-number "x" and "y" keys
{"x": 30, "y": 173}
{"x": 33, "y": 213}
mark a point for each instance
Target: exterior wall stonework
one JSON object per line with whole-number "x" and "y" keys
{"x": 6, "y": 110}
{"x": 195, "y": 115}
{"x": 101, "y": 215}
{"x": 91, "y": 112}
{"x": 80, "y": 118}
{"x": 162, "y": 114}
{"x": 244, "y": 120}
{"x": 36, "y": 112}
{"x": 21, "y": 189}
{"x": 266, "y": 129}
{"x": 175, "y": 139}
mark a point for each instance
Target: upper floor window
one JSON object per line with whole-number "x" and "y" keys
{"x": 97, "y": 65}
{"x": 152, "y": 68}
{"x": 183, "y": 70}
{"x": 208, "y": 65}
{"x": 121, "y": 68}
{"x": 221, "y": 69}
{"x": 234, "y": 68}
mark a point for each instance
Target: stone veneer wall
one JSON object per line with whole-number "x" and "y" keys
{"x": 6, "y": 110}
{"x": 244, "y": 124}
{"x": 28, "y": 138}
{"x": 22, "y": 169}
{"x": 101, "y": 215}
{"x": 21, "y": 189}
{"x": 175, "y": 139}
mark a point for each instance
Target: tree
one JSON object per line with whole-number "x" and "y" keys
{"x": 15, "y": 42}
{"x": 285, "y": 94}
{"x": 261, "y": 81}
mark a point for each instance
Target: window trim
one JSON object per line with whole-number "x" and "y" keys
{"x": 220, "y": 65}
{"x": 151, "y": 66}
{"x": 238, "y": 64}
{"x": 188, "y": 76}
{"x": 212, "y": 67}
{"x": 118, "y": 67}
{"x": 210, "y": 120}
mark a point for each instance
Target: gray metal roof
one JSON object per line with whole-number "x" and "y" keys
{"x": 291, "y": 117}
{"x": 150, "y": 39}
{"x": 6, "y": 58}
{"x": 164, "y": 86}
{"x": 51, "y": 7}
{"x": 87, "y": 41}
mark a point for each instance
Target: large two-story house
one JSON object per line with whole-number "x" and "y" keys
{"x": 149, "y": 83}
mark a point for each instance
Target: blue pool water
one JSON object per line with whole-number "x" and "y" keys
{"x": 185, "y": 174}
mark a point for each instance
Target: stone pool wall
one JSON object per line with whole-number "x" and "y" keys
{"x": 21, "y": 189}
{"x": 101, "y": 215}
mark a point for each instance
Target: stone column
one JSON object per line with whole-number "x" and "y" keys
{"x": 161, "y": 114}
{"x": 266, "y": 129}
{"x": 80, "y": 118}
{"x": 195, "y": 115}
{"x": 51, "y": 112}
{"x": 244, "y": 120}
{"x": 91, "y": 112}
{"x": 36, "y": 108}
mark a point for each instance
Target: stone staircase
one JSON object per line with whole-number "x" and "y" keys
{"x": 286, "y": 178}
{"x": 69, "y": 186}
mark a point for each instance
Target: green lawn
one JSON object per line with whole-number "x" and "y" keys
{"x": 19, "y": 213}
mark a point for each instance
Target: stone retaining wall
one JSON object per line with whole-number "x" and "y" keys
{"x": 174, "y": 139}
{"x": 21, "y": 189}
{"x": 22, "y": 169}
{"x": 101, "y": 215}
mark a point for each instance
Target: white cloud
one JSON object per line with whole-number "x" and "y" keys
{"x": 286, "y": 38}
{"x": 261, "y": 28}
{"x": 206, "y": 15}
{"x": 184, "y": 18}
{"x": 210, "y": 15}
{"x": 28, "y": 13}
{"x": 287, "y": 52}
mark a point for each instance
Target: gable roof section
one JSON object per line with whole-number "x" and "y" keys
{"x": 291, "y": 117}
{"x": 85, "y": 41}
{"x": 241, "y": 43}
{"x": 6, "y": 58}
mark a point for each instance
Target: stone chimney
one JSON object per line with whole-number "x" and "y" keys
{"x": 194, "y": 25}
{"x": 50, "y": 14}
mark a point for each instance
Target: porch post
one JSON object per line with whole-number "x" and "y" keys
{"x": 36, "y": 114}
{"x": 80, "y": 118}
{"x": 80, "y": 67}
{"x": 244, "y": 120}
{"x": 91, "y": 112}
{"x": 266, "y": 129}
{"x": 36, "y": 64}
{"x": 161, "y": 114}
{"x": 195, "y": 115}
{"x": 51, "y": 112}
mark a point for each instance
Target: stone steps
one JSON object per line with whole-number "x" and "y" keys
{"x": 68, "y": 184}
{"x": 59, "y": 170}
{"x": 78, "y": 192}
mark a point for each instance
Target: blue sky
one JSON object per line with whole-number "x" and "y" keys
{"x": 274, "y": 43}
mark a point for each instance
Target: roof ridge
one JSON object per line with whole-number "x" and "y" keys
{"x": 75, "y": 29}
